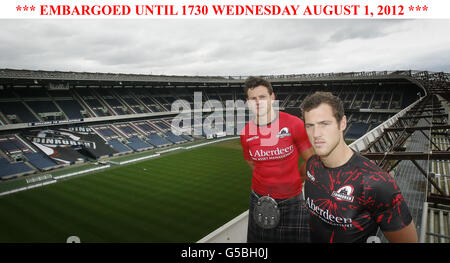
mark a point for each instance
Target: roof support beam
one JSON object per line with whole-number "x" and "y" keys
{"x": 432, "y": 155}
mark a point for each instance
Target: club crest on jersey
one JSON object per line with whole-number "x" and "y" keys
{"x": 283, "y": 133}
{"x": 344, "y": 193}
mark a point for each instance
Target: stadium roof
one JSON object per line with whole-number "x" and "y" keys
{"x": 432, "y": 82}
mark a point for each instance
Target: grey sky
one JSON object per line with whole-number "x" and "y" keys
{"x": 224, "y": 47}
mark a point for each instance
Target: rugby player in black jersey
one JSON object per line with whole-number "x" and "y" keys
{"x": 348, "y": 196}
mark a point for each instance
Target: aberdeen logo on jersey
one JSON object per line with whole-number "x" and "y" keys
{"x": 327, "y": 216}
{"x": 344, "y": 193}
{"x": 278, "y": 153}
{"x": 283, "y": 133}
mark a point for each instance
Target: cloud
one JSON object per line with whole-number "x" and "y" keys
{"x": 224, "y": 46}
{"x": 365, "y": 29}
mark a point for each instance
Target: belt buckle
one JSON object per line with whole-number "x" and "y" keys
{"x": 266, "y": 212}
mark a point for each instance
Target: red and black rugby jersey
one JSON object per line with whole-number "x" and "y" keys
{"x": 349, "y": 203}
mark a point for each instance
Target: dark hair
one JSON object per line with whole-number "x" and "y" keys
{"x": 253, "y": 82}
{"x": 314, "y": 100}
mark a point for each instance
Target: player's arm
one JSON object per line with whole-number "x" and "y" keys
{"x": 306, "y": 154}
{"x": 251, "y": 164}
{"x": 246, "y": 154}
{"x": 303, "y": 145}
{"x": 391, "y": 211}
{"x": 404, "y": 235}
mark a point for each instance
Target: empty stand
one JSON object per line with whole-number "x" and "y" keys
{"x": 10, "y": 170}
{"x": 138, "y": 145}
{"x": 118, "y": 146}
{"x": 157, "y": 140}
{"x": 174, "y": 138}
{"x": 12, "y": 146}
{"x": 145, "y": 127}
{"x": 356, "y": 130}
{"x": 71, "y": 108}
{"x": 40, "y": 161}
{"x": 17, "y": 112}
{"x": 46, "y": 110}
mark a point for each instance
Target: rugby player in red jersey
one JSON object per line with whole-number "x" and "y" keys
{"x": 272, "y": 143}
{"x": 349, "y": 197}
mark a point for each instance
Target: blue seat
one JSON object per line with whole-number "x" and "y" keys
{"x": 186, "y": 137}
{"x": 42, "y": 106}
{"x": 356, "y": 130}
{"x": 11, "y": 169}
{"x": 157, "y": 140}
{"x": 137, "y": 144}
{"x": 71, "y": 108}
{"x": 40, "y": 160}
{"x": 120, "y": 147}
{"x": 174, "y": 138}
{"x": 19, "y": 109}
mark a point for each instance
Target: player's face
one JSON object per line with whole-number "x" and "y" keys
{"x": 324, "y": 132}
{"x": 260, "y": 101}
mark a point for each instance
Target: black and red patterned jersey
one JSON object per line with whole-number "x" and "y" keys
{"x": 348, "y": 203}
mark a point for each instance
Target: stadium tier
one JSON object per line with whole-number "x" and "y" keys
{"x": 138, "y": 145}
{"x": 40, "y": 161}
{"x": 71, "y": 108}
{"x": 118, "y": 146}
{"x": 17, "y": 112}
{"x": 125, "y": 113}
{"x": 174, "y": 138}
{"x": 158, "y": 140}
{"x": 14, "y": 169}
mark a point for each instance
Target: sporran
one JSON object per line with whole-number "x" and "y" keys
{"x": 266, "y": 213}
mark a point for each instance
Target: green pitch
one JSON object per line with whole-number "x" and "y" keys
{"x": 178, "y": 197}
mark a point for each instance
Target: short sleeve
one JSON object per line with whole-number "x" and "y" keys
{"x": 300, "y": 137}
{"x": 244, "y": 146}
{"x": 388, "y": 208}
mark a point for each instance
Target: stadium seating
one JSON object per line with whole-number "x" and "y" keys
{"x": 9, "y": 170}
{"x": 145, "y": 127}
{"x": 149, "y": 103}
{"x": 42, "y": 106}
{"x": 138, "y": 145}
{"x": 161, "y": 125}
{"x": 157, "y": 140}
{"x": 71, "y": 108}
{"x": 120, "y": 147}
{"x": 174, "y": 138}
{"x": 356, "y": 130}
{"x": 135, "y": 105}
{"x": 116, "y": 106}
{"x": 107, "y": 132}
{"x": 40, "y": 161}
{"x": 11, "y": 146}
{"x": 187, "y": 137}
{"x": 71, "y": 155}
{"x": 19, "y": 109}
{"x": 101, "y": 150}
{"x": 127, "y": 130}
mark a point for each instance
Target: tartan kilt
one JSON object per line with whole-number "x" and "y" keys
{"x": 293, "y": 225}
